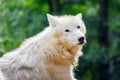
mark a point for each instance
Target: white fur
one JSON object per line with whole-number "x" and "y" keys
{"x": 48, "y": 55}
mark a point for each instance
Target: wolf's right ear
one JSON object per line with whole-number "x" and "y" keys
{"x": 52, "y": 20}
{"x": 78, "y": 16}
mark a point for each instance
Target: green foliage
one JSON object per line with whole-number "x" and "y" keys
{"x": 20, "y": 19}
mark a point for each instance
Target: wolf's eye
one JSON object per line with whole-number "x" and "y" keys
{"x": 67, "y": 30}
{"x": 78, "y": 27}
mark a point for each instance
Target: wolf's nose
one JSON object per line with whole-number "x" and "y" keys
{"x": 81, "y": 40}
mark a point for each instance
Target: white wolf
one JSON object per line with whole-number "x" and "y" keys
{"x": 49, "y": 55}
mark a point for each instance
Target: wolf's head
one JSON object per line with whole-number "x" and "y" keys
{"x": 68, "y": 29}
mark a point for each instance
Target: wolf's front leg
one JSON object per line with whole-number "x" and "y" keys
{"x": 2, "y": 77}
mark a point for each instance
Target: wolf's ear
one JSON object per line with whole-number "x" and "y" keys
{"x": 52, "y": 20}
{"x": 79, "y": 16}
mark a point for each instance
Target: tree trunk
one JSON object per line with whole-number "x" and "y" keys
{"x": 103, "y": 38}
{"x": 103, "y": 23}
{"x": 54, "y": 6}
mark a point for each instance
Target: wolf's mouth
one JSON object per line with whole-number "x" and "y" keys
{"x": 81, "y": 42}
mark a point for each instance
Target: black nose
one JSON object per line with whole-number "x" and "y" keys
{"x": 81, "y": 39}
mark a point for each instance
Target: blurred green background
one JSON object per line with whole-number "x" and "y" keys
{"x": 20, "y": 19}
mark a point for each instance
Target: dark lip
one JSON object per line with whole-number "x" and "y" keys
{"x": 80, "y": 43}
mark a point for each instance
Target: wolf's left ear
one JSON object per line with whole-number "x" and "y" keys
{"x": 52, "y": 20}
{"x": 79, "y": 16}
